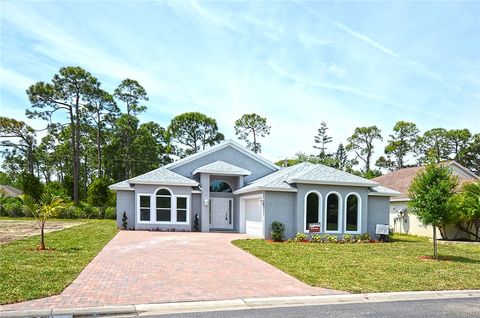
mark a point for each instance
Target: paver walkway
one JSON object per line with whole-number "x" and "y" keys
{"x": 139, "y": 267}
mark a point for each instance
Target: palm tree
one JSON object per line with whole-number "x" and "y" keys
{"x": 47, "y": 207}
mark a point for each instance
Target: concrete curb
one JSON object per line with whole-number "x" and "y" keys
{"x": 243, "y": 304}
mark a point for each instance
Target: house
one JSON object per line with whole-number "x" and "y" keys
{"x": 10, "y": 191}
{"x": 230, "y": 188}
{"x": 401, "y": 220}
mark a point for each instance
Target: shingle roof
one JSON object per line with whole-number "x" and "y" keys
{"x": 10, "y": 191}
{"x": 400, "y": 180}
{"x": 320, "y": 174}
{"x": 162, "y": 176}
{"x": 286, "y": 178}
{"x": 382, "y": 191}
{"x": 122, "y": 185}
{"x": 221, "y": 167}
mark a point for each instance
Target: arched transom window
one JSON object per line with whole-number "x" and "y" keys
{"x": 220, "y": 186}
{"x": 164, "y": 205}
{"x": 352, "y": 213}
{"x": 333, "y": 213}
{"x": 312, "y": 204}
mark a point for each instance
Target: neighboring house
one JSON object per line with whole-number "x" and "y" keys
{"x": 10, "y": 191}
{"x": 403, "y": 221}
{"x": 231, "y": 188}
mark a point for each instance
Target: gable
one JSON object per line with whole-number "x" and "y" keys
{"x": 228, "y": 153}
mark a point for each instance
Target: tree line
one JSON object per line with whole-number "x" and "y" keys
{"x": 95, "y": 134}
{"x": 406, "y": 147}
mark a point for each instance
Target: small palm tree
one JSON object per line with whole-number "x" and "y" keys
{"x": 47, "y": 207}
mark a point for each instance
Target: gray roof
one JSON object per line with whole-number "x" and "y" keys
{"x": 284, "y": 179}
{"x": 383, "y": 191}
{"x": 10, "y": 191}
{"x": 122, "y": 185}
{"x": 162, "y": 176}
{"x": 320, "y": 174}
{"x": 221, "y": 167}
{"x": 277, "y": 180}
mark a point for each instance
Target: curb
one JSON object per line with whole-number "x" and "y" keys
{"x": 243, "y": 304}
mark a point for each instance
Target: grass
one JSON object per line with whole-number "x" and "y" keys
{"x": 27, "y": 274}
{"x": 382, "y": 267}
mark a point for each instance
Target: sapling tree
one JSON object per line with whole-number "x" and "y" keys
{"x": 431, "y": 192}
{"x": 48, "y": 206}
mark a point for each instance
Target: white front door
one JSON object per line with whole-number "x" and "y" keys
{"x": 221, "y": 213}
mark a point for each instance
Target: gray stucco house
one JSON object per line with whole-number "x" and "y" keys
{"x": 231, "y": 188}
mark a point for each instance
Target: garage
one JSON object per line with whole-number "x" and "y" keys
{"x": 252, "y": 211}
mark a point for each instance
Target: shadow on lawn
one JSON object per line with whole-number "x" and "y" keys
{"x": 462, "y": 259}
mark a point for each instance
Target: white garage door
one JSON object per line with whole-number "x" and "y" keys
{"x": 253, "y": 217}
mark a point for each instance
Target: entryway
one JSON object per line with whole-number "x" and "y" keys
{"x": 221, "y": 213}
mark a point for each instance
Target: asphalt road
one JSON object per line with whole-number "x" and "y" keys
{"x": 440, "y": 308}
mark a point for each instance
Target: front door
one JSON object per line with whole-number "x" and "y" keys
{"x": 221, "y": 213}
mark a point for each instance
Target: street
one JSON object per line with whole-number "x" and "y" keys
{"x": 469, "y": 307}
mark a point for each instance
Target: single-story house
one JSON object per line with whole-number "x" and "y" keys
{"x": 9, "y": 191}
{"x": 229, "y": 188}
{"x": 401, "y": 219}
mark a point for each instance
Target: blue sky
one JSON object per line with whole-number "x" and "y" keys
{"x": 297, "y": 63}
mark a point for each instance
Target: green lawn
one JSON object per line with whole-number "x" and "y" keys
{"x": 28, "y": 274}
{"x": 379, "y": 267}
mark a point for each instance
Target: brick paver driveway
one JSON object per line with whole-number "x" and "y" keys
{"x": 139, "y": 267}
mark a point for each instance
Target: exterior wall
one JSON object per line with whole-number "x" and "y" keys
{"x": 303, "y": 189}
{"x": 378, "y": 212}
{"x": 410, "y": 224}
{"x": 175, "y": 190}
{"x": 280, "y": 206}
{"x": 126, "y": 203}
{"x": 229, "y": 155}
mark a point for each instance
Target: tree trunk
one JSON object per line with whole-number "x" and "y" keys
{"x": 74, "y": 170}
{"x": 255, "y": 149}
{"x": 99, "y": 148}
{"x": 77, "y": 151}
{"x": 42, "y": 237}
{"x": 435, "y": 251}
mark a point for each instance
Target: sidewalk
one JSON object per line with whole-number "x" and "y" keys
{"x": 246, "y": 303}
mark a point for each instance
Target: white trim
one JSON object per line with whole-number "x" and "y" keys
{"x": 400, "y": 199}
{"x": 221, "y": 173}
{"x": 339, "y": 219}
{"x": 320, "y": 201}
{"x": 220, "y": 146}
{"x": 179, "y": 184}
{"x": 260, "y": 188}
{"x": 383, "y": 194}
{"x": 359, "y": 214}
{"x": 137, "y": 208}
{"x": 321, "y": 182}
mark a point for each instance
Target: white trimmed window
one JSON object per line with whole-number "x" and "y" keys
{"x": 353, "y": 213}
{"x": 164, "y": 205}
{"x": 182, "y": 209}
{"x": 332, "y": 215}
{"x": 312, "y": 209}
{"x": 144, "y": 206}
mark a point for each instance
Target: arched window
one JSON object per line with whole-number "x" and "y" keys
{"x": 333, "y": 212}
{"x": 164, "y": 205}
{"x": 220, "y": 186}
{"x": 311, "y": 209}
{"x": 352, "y": 213}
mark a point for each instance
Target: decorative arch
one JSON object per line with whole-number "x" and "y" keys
{"x": 333, "y": 215}
{"x": 352, "y": 223}
{"x": 312, "y": 208}
{"x": 220, "y": 186}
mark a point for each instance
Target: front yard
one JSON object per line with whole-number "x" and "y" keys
{"x": 380, "y": 267}
{"x": 26, "y": 273}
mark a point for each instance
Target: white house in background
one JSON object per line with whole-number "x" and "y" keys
{"x": 403, "y": 221}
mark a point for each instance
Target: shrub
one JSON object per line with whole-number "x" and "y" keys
{"x": 124, "y": 221}
{"x": 301, "y": 237}
{"x": 99, "y": 194}
{"x": 317, "y": 238}
{"x": 13, "y": 207}
{"x": 364, "y": 237}
{"x": 347, "y": 238}
{"x": 332, "y": 238}
{"x": 31, "y": 185}
{"x": 277, "y": 231}
{"x": 110, "y": 213}
{"x": 71, "y": 212}
{"x": 89, "y": 212}
{"x": 56, "y": 188}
